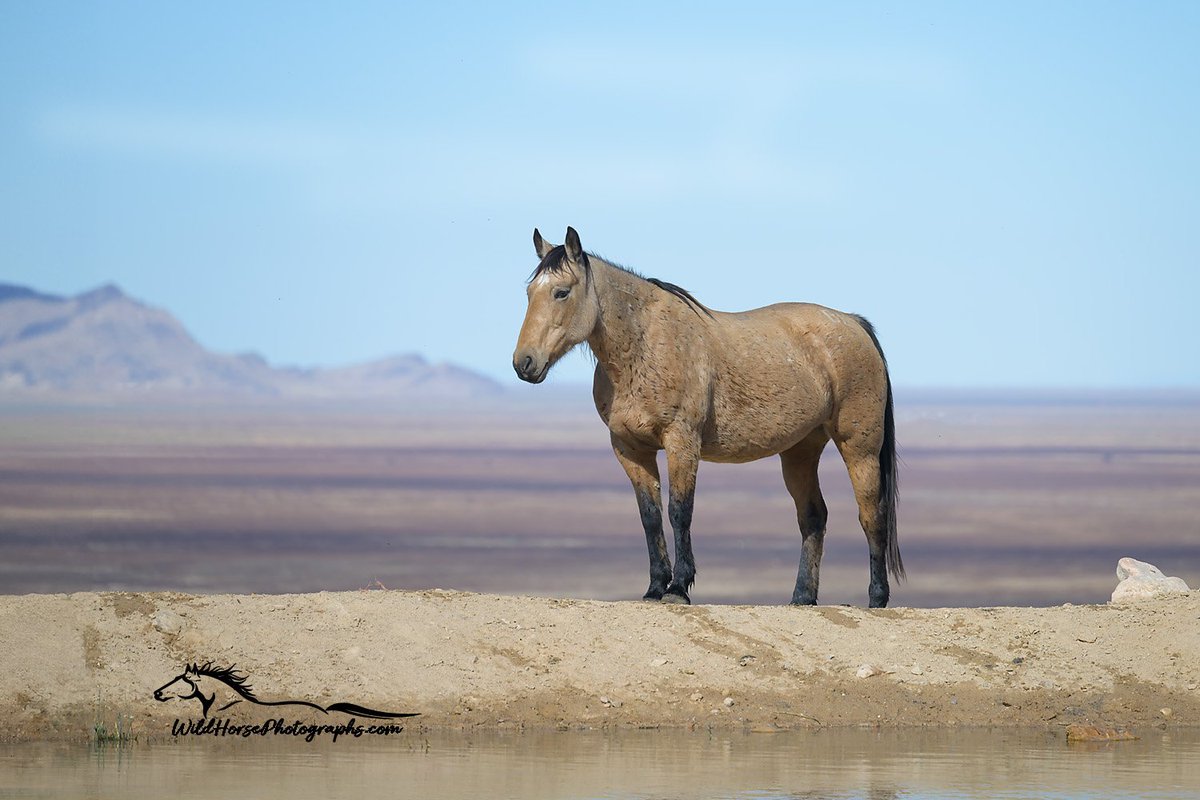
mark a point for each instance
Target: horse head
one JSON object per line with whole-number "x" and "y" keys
{"x": 563, "y": 307}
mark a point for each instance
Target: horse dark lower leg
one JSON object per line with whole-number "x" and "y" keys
{"x": 650, "y": 508}
{"x": 642, "y": 468}
{"x": 878, "y": 592}
{"x": 680, "y": 511}
{"x": 812, "y": 530}
{"x": 800, "y": 477}
{"x": 683, "y": 458}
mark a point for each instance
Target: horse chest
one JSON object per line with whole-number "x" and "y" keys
{"x": 640, "y": 420}
{"x": 635, "y": 413}
{"x": 637, "y": 428}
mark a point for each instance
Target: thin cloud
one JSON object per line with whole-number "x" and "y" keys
{"x": 395, "y": 167}
{"x": 695, "y": 73}
{"x": 190, "y": 136}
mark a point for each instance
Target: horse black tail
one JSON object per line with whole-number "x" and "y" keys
{"x": 363, "y": 711}
{"x": 889, "y": 479}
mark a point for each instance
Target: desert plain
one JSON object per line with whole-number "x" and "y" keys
{"x": 483, "y": 566}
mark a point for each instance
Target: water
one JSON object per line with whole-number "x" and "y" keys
{"x": 640, "y": 764}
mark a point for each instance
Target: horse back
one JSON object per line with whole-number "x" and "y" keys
{"x": 780, "y": 372}
{"x": 797, "y": 340}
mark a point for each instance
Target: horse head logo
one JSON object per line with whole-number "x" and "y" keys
{"x": 220, "y": 688}
{"x": 205, "y": 683}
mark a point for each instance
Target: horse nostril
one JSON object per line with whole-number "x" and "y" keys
{"x": 526, "y": 364}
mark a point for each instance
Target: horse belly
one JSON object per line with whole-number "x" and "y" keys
{"x": 771, "y": 388}
{"x": 739, "y": 441}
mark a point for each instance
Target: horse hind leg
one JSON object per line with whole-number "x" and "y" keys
{"x": 861, "y": 454}
{"x": 800, "y": 476}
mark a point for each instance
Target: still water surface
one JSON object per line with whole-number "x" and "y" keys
{"x": 639, "y": 764}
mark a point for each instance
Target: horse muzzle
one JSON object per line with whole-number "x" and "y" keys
{"x": 530, "y": 369}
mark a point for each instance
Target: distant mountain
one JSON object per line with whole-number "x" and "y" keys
{"x": 104, "y": 344}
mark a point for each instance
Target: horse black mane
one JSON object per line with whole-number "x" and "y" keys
{"x": 555, "y": 261}
{"x": 227, "y": 675}
{"x": 678, "y": 291}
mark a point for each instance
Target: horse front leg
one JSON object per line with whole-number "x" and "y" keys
{"x": 683, "y": 459}
{"x": 641, "y": 465}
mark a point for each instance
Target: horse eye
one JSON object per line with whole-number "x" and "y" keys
{"x": 561, "y": 294}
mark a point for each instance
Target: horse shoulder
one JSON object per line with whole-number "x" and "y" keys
{"x": 678, "y": 375}
{"x": 663, "y": 386}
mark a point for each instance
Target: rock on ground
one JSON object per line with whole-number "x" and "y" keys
{"x": 1140, "y": 581}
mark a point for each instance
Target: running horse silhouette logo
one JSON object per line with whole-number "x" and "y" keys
{"x": 223, "y": 687}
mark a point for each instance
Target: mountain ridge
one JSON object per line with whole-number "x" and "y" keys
{"x": 105, "y": 344}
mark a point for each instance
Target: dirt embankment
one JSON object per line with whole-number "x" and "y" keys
{"x": 74, "y": 663}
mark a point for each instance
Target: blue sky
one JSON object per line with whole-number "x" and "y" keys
{"x": 1010, "y": 191}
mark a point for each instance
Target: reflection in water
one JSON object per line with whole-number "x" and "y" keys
{"x": 855, "y": 765}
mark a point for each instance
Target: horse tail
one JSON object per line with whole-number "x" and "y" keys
{"x": 363, "y": 711}
{"x": 889, "y": 479}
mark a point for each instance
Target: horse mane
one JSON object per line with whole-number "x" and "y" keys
{"x": 234, "y": 680}
{"x": 555, "y": 262}
{"x": 678, "y": 291}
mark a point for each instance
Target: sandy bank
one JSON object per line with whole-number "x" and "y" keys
{"x": 72, "y": 662}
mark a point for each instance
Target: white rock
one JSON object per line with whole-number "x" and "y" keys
{"x": 1141, "y": 581}
{"x": 866, "y": 671}
{"x": 658, "y": 662}
{"x": 728, "y": 702}
{"x": 167, "y": 621}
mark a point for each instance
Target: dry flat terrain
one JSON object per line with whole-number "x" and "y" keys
{"x": 305, "y": 546}
{"x": 1015, "y": 503}
{"x": 76, "y": 663}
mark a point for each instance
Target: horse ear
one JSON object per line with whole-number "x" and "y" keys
{"x": 574, "y": 249}
{"x": 541, "y": 245}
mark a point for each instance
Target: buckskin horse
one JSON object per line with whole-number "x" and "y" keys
{"x": 675, "y": 375}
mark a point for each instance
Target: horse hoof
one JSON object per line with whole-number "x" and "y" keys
{"x": 653, "y": 594}
{"x": 676, "y": 597}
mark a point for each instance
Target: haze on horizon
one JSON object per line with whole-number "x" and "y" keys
{"x": 1009, "y": 191}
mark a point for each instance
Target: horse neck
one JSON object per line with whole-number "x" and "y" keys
{"x": 619, "y": 337}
